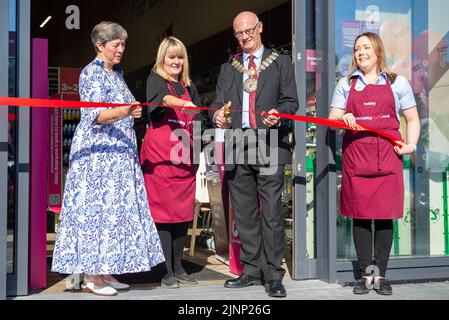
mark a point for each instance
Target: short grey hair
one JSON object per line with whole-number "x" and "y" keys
{"x": 107, "y": 31}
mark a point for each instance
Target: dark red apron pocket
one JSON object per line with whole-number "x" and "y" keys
{"x": 361, "y": 159}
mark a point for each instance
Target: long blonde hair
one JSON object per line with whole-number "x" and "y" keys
{"x": 175, "y": 44}
{"x": 379, "y": 50}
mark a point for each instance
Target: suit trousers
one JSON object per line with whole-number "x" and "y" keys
{"x": 256, "y": 198}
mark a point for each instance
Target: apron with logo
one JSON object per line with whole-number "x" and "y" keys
{"x": 372, "y": 183}
{"x": 167, "y": 165}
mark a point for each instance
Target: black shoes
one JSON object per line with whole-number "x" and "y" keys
{"x": 173, "y": 281}
{"x": 383, "y": 287}
{"x": 242, "y": 281}
{"x": 169, "y": 281}
{"x": 275, "y": 289}
{"x": 184, "y": 278}
{"x": 360, "y": 287}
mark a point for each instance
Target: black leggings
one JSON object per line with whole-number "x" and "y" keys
{"x": 363, "y": 240}
{"x": 173, "y": 238}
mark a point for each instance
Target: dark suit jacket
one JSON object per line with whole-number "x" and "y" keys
{"x": 276, "y": 89}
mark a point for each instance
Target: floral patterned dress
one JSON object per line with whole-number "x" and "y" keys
{"x": 106, "y": 225}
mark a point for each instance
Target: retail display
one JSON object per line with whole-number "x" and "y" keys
{"x": 70, "y": 119}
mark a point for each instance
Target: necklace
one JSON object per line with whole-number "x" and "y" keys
{"x": 250, "y": 84}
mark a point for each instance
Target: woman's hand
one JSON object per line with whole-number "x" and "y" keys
{"x": 113, "y": 115}
{"x": 190, "y": 108}
{"x": 349, "y": 120}
{"x": 404, "y": 149}
{"x": 135, "y": 110}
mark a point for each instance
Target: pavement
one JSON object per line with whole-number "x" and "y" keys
{"x": 296, "y": 290}
{"x": 212, "y": 273}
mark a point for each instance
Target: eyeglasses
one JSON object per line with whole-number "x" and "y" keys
{"x": 249, "y": 32}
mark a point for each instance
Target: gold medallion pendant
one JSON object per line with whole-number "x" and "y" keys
{"x": 252, "y": 72}
{"x": 250, "y": 85}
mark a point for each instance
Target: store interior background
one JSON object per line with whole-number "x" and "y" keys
{"x": 205, "y": 27}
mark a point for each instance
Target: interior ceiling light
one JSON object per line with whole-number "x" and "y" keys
{"x": 45, "y": 22}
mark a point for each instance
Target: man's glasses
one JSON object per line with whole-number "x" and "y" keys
{"x": 249, "y": 32}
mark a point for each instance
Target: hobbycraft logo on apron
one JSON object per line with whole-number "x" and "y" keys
{"x": 370, "y": 118}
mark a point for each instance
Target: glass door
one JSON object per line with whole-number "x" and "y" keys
{"x": 415, "y": 34}
{"x": 4, "y": 30}
{"x": 17, "y": 150}
{"x": 303, "y": 170}
{"x": 12, "y": 159}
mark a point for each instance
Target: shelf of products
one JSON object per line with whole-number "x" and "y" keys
{"x": 70, "y": 119}
{"x": 287, "y": 203}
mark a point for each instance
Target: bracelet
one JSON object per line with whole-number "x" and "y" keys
{"x": 413, "y": 146}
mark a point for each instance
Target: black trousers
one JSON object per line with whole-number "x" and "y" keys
{"x": 261, "y": 230}
{"x": 363, "y": 240}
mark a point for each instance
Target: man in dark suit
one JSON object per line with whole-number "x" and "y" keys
{"x": 257, "y": 84}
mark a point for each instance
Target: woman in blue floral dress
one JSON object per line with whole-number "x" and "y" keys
{"x": 106, "y": 225}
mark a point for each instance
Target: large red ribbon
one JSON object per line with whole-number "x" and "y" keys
{"x": 46, "y": 103}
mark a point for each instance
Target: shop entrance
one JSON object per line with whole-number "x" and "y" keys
{"x": 206, "y": 30}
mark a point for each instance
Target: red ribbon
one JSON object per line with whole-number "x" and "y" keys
{"x": 339, "y": 124}
{"x": 45, "y": 103}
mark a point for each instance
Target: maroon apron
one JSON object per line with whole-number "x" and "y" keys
{"x": 170, "y": 187}
{"x": 372, "y": 183}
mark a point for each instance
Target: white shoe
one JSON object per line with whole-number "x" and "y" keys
{"x": 117, "y": 285}
{"x": 91, "y": 287}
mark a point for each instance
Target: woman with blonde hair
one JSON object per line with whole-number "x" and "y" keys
{"x": 372, "y": 185}
{"x": 167, "y": 154}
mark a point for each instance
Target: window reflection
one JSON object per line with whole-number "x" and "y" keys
{"x": 416, "y": 36}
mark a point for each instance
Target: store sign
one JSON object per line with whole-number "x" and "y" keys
{"x": 68, "y": 80}
{"x": 314, "y": 61}
{"x": 54, "y": 173}
{"x": 221, "y": 203}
